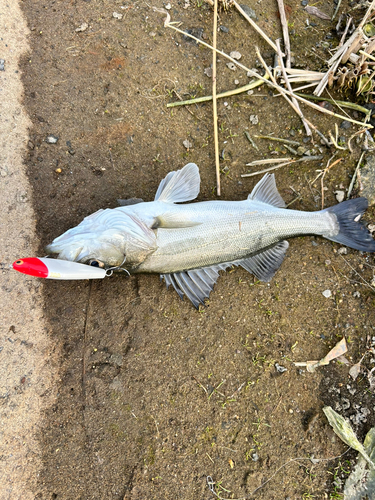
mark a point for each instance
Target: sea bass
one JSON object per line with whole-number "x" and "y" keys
{"x": 189, "y": 244}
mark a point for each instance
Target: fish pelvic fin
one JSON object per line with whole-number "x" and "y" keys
{"x": 182, "y": 185}
{"x": 266, "y": 192}
{"x": 197, "y": 284}
{"x": 352, "y": 232}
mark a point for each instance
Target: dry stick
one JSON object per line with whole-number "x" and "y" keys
{"x": 305, "y": 158}
{"x": 284, "y": 25}
{"x": 214, "y": 103}
{"x": 324, "y": 173}
{"x": 292, "y": 102}
{"x": 228, "y": 93}
{"x": 278, "y": 139}
{"x": 354, "y": 176}
{"x": 254, "y": 25}
{"x": 265, "y": 80}
{"x": 307, "y": 128}
{"x": 348, "y": 23}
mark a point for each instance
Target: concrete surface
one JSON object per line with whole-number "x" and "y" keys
{"x": 25, "y": 355}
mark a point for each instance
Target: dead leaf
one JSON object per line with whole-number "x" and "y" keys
{"x": 317, "y": 13}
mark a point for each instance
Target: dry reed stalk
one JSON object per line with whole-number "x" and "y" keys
{"x": 289, "y": 87}
{"x": 284, "y": 25}
{"x": 214, "y": 102}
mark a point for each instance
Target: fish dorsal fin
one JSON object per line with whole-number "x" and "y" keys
{"x": 180, "y": 186}
{"x": 266, "y": 192}
{"x": 197, "y": 284}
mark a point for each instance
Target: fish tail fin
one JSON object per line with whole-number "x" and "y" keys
{"x": 352, "y": 232}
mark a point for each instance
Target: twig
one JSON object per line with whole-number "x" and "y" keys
{"x": 348, "y": 23}
{"x": 289, "y": 87}
{"x": 284, "y": 25}
{"x": 247, "y": 135}
{"x": 254, "y": 25}
{"x": 343, "y": 104}
{"x": 256, "y": 75}
{"x": 229, "y": 93}
{"x": 278, "y": 139}
{"x": 214, "y": 102}
{"x": 292, "y": 102}
{"x": 328, "y": 167}
{"x": 357, "y": 273}
{"x": 200, "y": 385}
{"x": 336, "y": 10}
{"x": 359, "y": 132}
{"x": 354, "y": 176}
{"x": 305, "y": 158}
{"x": 267, "y": 161}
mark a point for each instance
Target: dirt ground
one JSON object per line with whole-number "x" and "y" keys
{"x": 152, "y": 396}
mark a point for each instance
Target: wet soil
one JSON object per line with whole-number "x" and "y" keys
{"x": 154, "y": 397}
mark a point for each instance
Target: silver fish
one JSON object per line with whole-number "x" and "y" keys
{"x": 189, "y": 244}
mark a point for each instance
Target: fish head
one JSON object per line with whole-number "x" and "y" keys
{"x": 108, "y": 238}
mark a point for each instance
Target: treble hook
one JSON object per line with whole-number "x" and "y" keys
{"x": 109, "y": 271}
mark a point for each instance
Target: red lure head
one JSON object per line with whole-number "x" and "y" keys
{"x": 31, "y": 266}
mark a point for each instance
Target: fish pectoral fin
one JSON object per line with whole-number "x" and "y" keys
{"x": 180, "y": 186}
{"x": 265, "y": 264}
{"x": 266, "y": 192}
{"x": 170, "y": 220}
{"x": 196, "y": 284}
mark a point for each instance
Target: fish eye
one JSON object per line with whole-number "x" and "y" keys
{"x": 19, "y": 262}
{"x": 94, "y": 263}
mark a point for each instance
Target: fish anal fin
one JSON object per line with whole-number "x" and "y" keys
{"x": 266, "y": 192}
{"x": 197, "y": 284}
{"x": 182, "y": 185}
{"x": 265, "y": 264}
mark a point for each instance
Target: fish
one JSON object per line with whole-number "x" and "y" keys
{"x": 188, "y": 244}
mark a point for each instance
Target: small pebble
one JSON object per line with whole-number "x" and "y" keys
{"x": 345, "y": 125}
{"x": 2, "y": 64}
{"x": 208, "y": 72}
{"x": 236, "y": 82}
{"x": 168, "y": 6}
{"x": 327, "y": 294}
{"x": 249, "y": 12}
{"x": 116, "y": 15}
{"x": 356, "y": 294}
{"x": 83, "y": 27}
{"x": 342, "y": 251}
{"x": 280, "y": 369}
{"x": 340, "y": 196}
{"x": 58, "y": 171}
{"x": 224, "y": 29}
{"x": 51, "y": 139}
{"x": 188, "y": 145}
{"x": 254, "y": 456}
{"x": 231, "y": 66}
{"x": 235, "y": 55}
{"x": 254, "y": 120}
{"x": 304, "y": 3}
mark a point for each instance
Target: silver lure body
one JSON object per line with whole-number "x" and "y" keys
{"x": 189, "y": 244}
